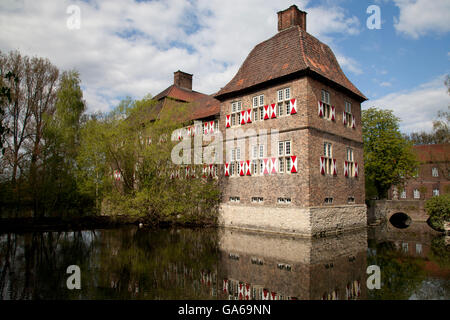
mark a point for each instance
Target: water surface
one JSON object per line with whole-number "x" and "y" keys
{"x": 131, "y": 263}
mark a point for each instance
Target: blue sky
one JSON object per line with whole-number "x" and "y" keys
{"x": 131, "y": 48}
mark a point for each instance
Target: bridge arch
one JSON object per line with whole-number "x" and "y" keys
{"x": 400, "y": 220}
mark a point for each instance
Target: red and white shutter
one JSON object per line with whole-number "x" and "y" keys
{"x": 333, "y": 113}
{"x": 356, "y": 170}
{"x": 205, "y": 127}
{"x": 187, "y": 172}
{"x": 249, "y": 116}
{"x": 273, "y": 110}
{"x": 179, "y": 134}
{"x": 293, "y": 106}
{"x": 225, "y": 285}
{"x": 243, "y": 117}
{"x": 266, "y": 112}
{"x": 227, "y": 169}
{"x": 334, "y": 167}
{"x": 320, "y": 105}
{"x": 242, "y": 168}
{"x": 247, "y": 292}
{"x": 241, "y": 291}
{"x": 293, "y": 164}
{"x": 211, "y": 170}
{"x": 248, "y": 168}
{"x": 204, "y": 170}
{"x": 273, "y": 296}
{"x": 228, "y": 121}
{"x": 265, "y": 295}
{"x": 211, "y": 127}
{"x": 353, "y": 122}
{"x": 322, "y": 165}
{"x": 273, "y": 165}
{"x": 266, "y": 166}
{"x": 345, "y": 168}
{"x": 344, "y": 118}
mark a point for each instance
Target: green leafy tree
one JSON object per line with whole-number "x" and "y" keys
{"x": 438, "y": 208}
{"x": 388, "y": 157}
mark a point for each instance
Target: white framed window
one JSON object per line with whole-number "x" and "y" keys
{"x": 236, "y": 108}
{"x": 281, "y": 165}
{"x": 261, "y": 151}
{"x": 283, "y": 96}
{"x": 348, "y": 114}
{"x": 255, "y": 101}
{"x": 258, "y": 109}
{"x": 284, "y": 200}
{"x": 261, "y": 167}
{"x": 255, "y": 167}
{"x": 328, "y": 200}
{"x": 284, "y": 152}
{"x": 416, "y": 194}
{"x": 403, "y": 194}
{"x": 257, "y": 199}
{"x": 350, "y": 162}
{"x": 435, "y": 172}
{"x": 280, "y": 95}
{"x": 254, "y": 152}
{"x": 328, "y": 157}
{"x": 238, "y": 154}
{"x": 435, "y": 192}
{"x": 326, "y": 104}
{"x": 287, "y": 93}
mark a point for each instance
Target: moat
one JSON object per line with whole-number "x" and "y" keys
{"x": 133, "y": 263}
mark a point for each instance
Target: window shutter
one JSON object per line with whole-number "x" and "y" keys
{"x": 320, "y": 104}
{"x": 266, "y": 112}
{"x": 211, "y": 127}
{"x": 345, "y": 168}
{"x": 211, "y": 170}
{"x": 248, "y": 168}
{"x": 249, "y": 116}
{"x": 204, "y": 171}
{"x": 293, "y": 106}
{"x": 243, "y": 116}
{"x": 333, "y": 113}
{"x": 322, "y": 165}
{"x": 225, "y": 285}
{"x": 274, "y": 165}
{"x": 353, "y": 122}
{"x": 266, "y": 166}
{"x": 205, "y": 126}
{"x": 293, "y": 164}
{"x": 344, "y": 118}
{"x": 334, "y": 167}
{"x": 227, "y": 169}
{"x": 228, "y": 121}
{"x": 241, "y": 168}
{"x": 356, "y": 170}
{"x": 273, "y": 110}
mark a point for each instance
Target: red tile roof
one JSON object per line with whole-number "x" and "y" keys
{"x": 433, "y": 152}
{"x": 184, "y": 105}
{"x": 289, "y": 51}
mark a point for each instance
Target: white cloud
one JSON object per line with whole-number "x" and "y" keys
{"x": 416, "y": 107}
{"x": 385, "y": 84}
{"x": 132, "y": 48}
{"x": 349, "y": 64}
{"x": 420, "y": 17}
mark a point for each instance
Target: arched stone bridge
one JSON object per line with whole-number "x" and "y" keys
{"x": 383, "y": 210}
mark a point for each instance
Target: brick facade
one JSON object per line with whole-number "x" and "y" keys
{"x": 433, "y": 176}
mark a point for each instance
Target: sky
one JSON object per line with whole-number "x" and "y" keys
{"x": 132, "y": 48}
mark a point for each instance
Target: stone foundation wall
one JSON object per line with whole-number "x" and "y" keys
{"x": 306, "y": 222}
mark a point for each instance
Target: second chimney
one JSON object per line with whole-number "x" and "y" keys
{"x": 290, "y": 17}
{"x": 182, "y": 79}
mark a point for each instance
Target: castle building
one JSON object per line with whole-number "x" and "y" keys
{"x": 433, "y": 175}
{"x": 291, "y": 126}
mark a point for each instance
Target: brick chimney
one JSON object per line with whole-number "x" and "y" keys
{"x": 182, "y": 79}
{"x": 290, "y": 17}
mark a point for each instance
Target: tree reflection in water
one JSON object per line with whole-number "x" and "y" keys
{"x": 128, "y": 263}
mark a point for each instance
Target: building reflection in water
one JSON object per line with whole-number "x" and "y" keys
{"x": 256, "y": 266}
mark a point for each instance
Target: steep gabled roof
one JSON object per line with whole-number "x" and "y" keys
{"x": 179, "y": 93}
{"x": 289, "y": 51}
{"x": 193, "y": 105}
